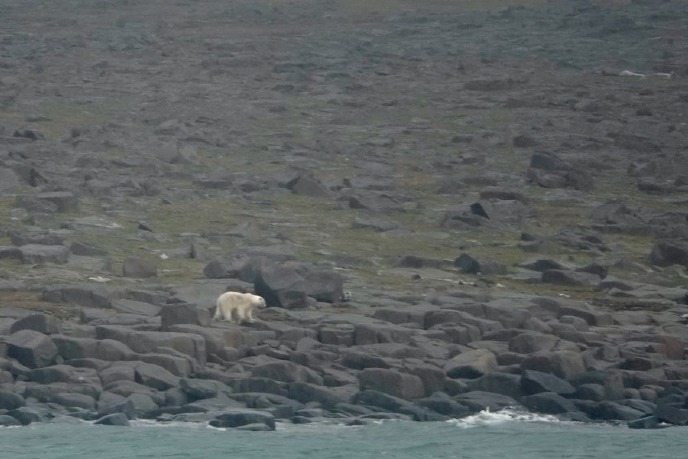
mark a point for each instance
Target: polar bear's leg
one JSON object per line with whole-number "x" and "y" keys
{"x": 249, "y": 315}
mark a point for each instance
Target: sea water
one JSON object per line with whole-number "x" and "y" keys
{"x": 505, "y": 434}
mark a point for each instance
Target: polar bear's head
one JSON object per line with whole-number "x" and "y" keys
{"x": 260, "y": 302}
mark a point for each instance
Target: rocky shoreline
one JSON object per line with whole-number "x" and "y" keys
{"x": 144, "y": 354}
{"x": 444, "y": 213}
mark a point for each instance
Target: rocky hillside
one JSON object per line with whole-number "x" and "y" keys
{"x": 448, "y": 206}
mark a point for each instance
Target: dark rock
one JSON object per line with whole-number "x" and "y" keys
{"x": 444, "y": 404}
{"x": 8, "y": 421}
{"x": 155, "y": 376}
{"x": 612, "y": 411}
{"x": 139, "y": 268}
{"x": 497, "y": 382}
{"x": 38, "y": 253}
{"x": 149, "y": 341}
{"x": 127, "y": 306}
{"x": 534, "y": 382}
{"x": 286, "y": 372}
{"x": 39, "y": 322}
{"x": 672, "y": 415}
{"x": 64, "y": 200}
{"x": 471, "y": 364}
{"x": 548, "y": 403}
{"x": 665, "y": 253}
{"x": 648, "y": 422}
{"x": 198, "y": 388}
{"x": 566, "y": 277}
{"x": 87, "y": 250}
{"x": 51, "y": 374}
{"x": 10, "y": 400}
{"x": 479, "y": 401}
{"x": 89, "y": 296}
{"x": 26, "y": 415}
{"x": 31, "y": 348}
{"x": 563, "y": 364}
{"x": 115, "y": 419}
{"x": 241, "y": 418}
{"x": 305, "y": 392}
{"x": 183, "y": 313}
{"x": 392, "y": 382}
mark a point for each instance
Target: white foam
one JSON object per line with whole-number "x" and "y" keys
{"x": 506, "y": 415}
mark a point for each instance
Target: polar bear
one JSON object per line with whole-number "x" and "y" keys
{"x": 237, "y": 307}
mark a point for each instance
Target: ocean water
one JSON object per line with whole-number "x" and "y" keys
{"x": 486, "y": 435}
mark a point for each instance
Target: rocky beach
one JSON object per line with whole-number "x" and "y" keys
{"x": 448, "y": 206}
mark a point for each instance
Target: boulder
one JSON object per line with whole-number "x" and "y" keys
{"x": 497, "y": 382}
{"x": 667, "y": 253}
{"x": 239, "y": 418}
{"x": 26, "y": 415}
{"x": 471, "y": 364}
{"x": 64, "y": 200}
{"x": 286, "y": 372}
{"x": 288, "y": 285}
{"x": 48, "y": 325}
{"x": 39, "y": 253}
{"x": 535, "y": 382}
{"x": 479, "y": 401}
{"x": 87, "y": 295}
{"x": 71, "y": 348}
{"x": 145, "y": 342}
{"x": 10, "y": 400}
{"x": 139, "y": 268}
{"x": 392, "y": 382}
{"x": 563, "y": 364}
{"x": 31, "y": 348}
{"x": 155, "y": 376}
{"x": 548, "y": 403}
{"x": 183, "y": 313}
{"x": 142, "y": 308}
{"x": 114, "y": 419}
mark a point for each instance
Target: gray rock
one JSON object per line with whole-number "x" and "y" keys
{"x": 286, "y": 372}
{"x": 115, "y": 419}
{"x": 534, "y": 382}
{"x": 479, "y": 401}
{"x": 39, "y": 322}
{"x": 239, "y": 418}
{"x": 548, "y": 403}
{"x": 87, "y": 250}
{"x": 10, "y": 400}
{"x": 145, "y": 342}
{"x": 8, "y": 421}
{"x": 139, "y": 268}
{"x": 183, "y": 313}
{"x": 87, "y": 295}
{"x": 666, "y": 253}
{"x": 26, "y": 415}
{"x": 64, "y": 200}
{"x": 471, "y": 364}
{"x": 127, "y": 306}
{"x": 563, "y": 364}
{"x": 497, "y": 382}
{"x": 155, "y": 376}
{"x": 31, "y": 348}
{"x": 38, "y": 253}
{"x": 392, "y": 382}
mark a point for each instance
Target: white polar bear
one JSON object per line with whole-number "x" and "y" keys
{"x": 237, "y": 307}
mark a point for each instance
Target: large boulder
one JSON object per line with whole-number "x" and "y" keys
{"x": 183, "y": 313}
{"x": 286, "y": 371}
{"x": 139, "y": 268}
{"x": 239, "y": 418}
{"x": 31, "y": 348}
{"x": 39, "y": 322}
{"x": 83, "y": 295}
{"x": 39, "y": 253}
{"x": 392, "y": 382}
{"x": 471, "y": 364}
{"x": 145, "y": 342}
{"x": 288, "y": 285}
